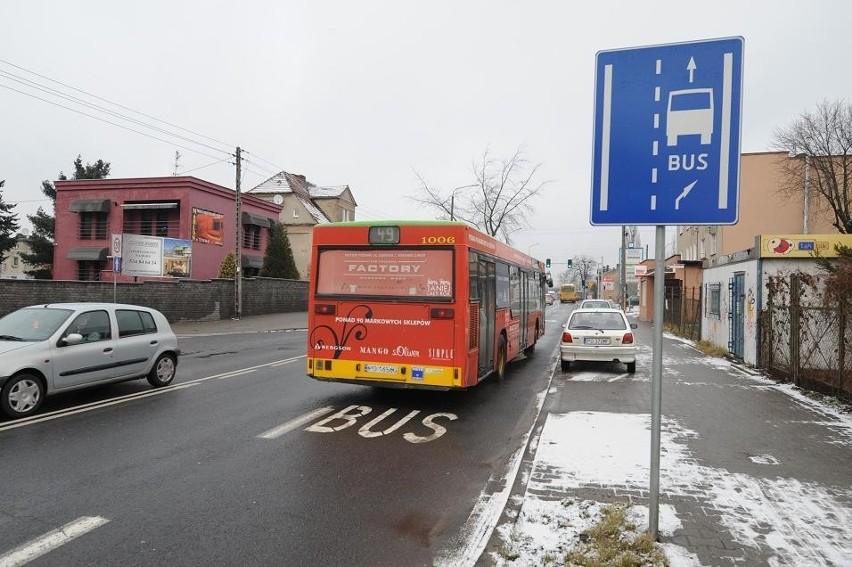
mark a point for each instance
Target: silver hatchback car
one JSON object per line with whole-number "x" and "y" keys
{"x": 59, "y": 347}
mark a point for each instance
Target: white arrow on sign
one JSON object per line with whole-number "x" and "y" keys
{"x": 691, "y": 67}
{"x": 684, "y": 193}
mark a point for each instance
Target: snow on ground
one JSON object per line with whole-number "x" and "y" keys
{"x": 800, "y": 523}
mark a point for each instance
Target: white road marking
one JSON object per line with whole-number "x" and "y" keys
{"x": 130, "y": 397}
{"x": 93, "y": 405}
{"x": 50, "y": 541}
{"x": 276, "y": 432}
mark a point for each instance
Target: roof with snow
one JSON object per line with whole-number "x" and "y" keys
{"x": 302, "y": 189}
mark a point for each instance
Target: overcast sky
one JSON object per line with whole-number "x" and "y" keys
{"x": 367, "y": 93}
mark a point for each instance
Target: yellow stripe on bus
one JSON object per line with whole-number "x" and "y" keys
{"x": 328, "y": 368}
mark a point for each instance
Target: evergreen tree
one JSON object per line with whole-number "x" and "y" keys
{"x": 228, "y": 267}
{"x": 44, "y": 222}
{"x": 8, "y": 225}
{"x": 279, "y": 262}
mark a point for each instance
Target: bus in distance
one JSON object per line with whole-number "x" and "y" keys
{"x": 419, "y": 304}
{"x": 568, "y": 293}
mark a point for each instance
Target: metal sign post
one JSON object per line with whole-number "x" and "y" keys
{"x": 666, "y": 152}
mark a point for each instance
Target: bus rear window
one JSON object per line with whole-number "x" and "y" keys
{"x": 391, "y": 273}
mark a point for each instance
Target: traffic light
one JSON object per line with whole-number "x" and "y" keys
{"x": 570, "y": 262}
{"x": 547, "y": 263}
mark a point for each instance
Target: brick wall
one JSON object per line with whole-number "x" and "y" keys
{"x": 181, "y": 300}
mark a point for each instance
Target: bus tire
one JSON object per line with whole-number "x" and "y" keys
{"x": 501, "y": 358}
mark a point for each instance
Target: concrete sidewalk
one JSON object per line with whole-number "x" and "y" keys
{"x": 753, "y": 472}
{"x": 254, "y": 324}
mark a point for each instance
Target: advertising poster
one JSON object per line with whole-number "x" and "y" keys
{"x": 207, "y": 226}
{"x": 177, "y": 257}
{"x": 141, "y": 255}
{"x": 802, "y": 245}
{"x": 413, "y": 273}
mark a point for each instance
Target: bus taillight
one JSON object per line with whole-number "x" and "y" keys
{"x": 442, "y": 313}
{"x": 325, "y": 309}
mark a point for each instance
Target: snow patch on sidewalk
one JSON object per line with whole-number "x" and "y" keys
{"x": 798, "y": 523}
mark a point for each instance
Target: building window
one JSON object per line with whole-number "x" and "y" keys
{"x": 152, "y": 222}
{"x": 89, "y": 270}
{"x": 14, "y": 261}
{"x": 251, "y": 236}
{"x": 713, "y": 306}
{"x": 93, "y": 226}
{"x": 295, "y": 213}
{"x": 714, "y": 244}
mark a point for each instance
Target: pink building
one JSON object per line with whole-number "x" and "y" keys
{"x": 199, "y": 213}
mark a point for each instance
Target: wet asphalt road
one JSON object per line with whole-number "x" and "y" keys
{"x": 185, "y": 476}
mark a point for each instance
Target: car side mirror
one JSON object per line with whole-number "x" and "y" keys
{"x": 73, "y": 339}
{"x": 634, "y": 326}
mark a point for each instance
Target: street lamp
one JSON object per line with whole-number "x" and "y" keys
{"x": 530, "y": 247}
{"x": 453, "y": 199}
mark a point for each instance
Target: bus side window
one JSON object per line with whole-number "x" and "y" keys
{"x": 502, "y": 285}
{"x": 473, "y": 268}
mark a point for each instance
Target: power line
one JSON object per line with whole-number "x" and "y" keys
{"x": 107, "y": 121}
{"x": 53, "y": 92}
{"x": 278, "y": 168}
{"x": 116, "y": 104}
{"x": 203, "y": 166}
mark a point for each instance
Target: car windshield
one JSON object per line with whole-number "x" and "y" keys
{"x": 32, "y": 323}
{"x": 600, "y": 321}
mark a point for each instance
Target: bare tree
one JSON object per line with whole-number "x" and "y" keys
{"x": 586, "y": 268}
{"x": 496, "y": 202}
{"x": 823, "y": 141}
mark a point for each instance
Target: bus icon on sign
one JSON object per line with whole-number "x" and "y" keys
{"x": 690, "y": 112}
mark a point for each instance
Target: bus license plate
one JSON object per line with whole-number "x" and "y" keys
{"x": 380, "y": 368}
{"x": 596, "y": 341}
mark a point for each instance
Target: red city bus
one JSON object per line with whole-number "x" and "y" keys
{"x": 419, "y": 304}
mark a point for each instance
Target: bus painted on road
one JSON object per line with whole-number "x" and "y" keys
{"x": 568, "y": 293}
{"x": 419, "y": 304}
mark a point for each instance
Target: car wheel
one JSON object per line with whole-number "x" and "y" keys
{"x": 501, "y": 358}
{"x": 631, "y": 367}
{"x": 566, "y": 365}
{"x": 21, "y": 396}
{"x": 163, "y": 372}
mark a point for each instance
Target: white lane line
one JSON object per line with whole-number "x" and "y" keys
{"x": 236, "y": 373}
{"x": 51, "y": 540}
{"x": 295, "y": 423}
{"x": 94, "y": 405}
{"x": 130, "y": 397}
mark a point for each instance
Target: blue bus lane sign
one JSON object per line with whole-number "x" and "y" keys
{"x": 667, "y": 134}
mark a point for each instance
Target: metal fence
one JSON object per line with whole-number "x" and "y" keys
{"x": 682, "y": 313}
{"x": 805, "y": 338}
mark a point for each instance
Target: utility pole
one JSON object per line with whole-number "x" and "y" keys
{"x": 238, "y": 277}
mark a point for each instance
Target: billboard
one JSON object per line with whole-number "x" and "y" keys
{"x": 208, "y": 226}
{"x": 802, "y": 245}
{"x": 153, "y": 256}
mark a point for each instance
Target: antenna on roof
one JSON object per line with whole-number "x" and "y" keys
{"x": 177, "y": 162}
